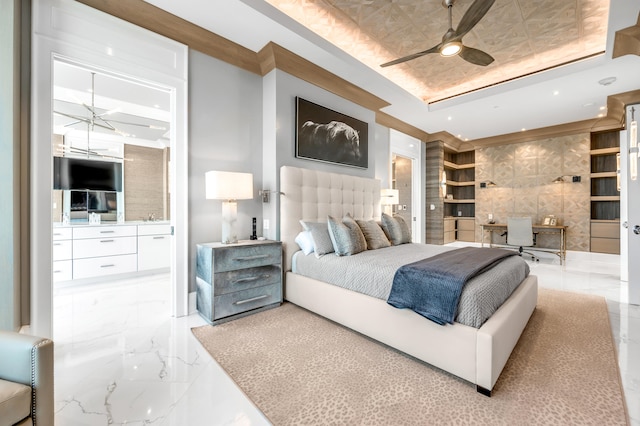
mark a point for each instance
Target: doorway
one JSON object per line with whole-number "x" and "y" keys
{"x": 406, "y": 155}
{"x": 72, "y": 32}
{"x": 401, "y": 179}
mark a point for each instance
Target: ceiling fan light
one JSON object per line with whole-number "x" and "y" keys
{"x": 451, "y": 49}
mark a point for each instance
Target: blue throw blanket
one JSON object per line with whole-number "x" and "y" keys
{"x": 432, "y": 287}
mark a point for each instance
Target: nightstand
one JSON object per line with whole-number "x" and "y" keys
{"x": 234, "y": 280}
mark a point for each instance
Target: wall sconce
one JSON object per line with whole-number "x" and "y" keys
{"x": 229, "y": 187}
{"x": 633, "y": 146}
{"x": 487, "y": 184}
{"x": 574, "y": 179}
{"x": 389, "y": 197}
{"x": 265, "y": 194}
{"x": 443, "y": 183}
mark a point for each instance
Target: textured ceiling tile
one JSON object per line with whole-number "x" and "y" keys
{"x": 523, "y": 36}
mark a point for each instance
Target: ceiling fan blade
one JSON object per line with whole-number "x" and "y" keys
{"x": 434, "y": 49}
{"x": 473, "y": 15}
{"x": 475, "y": 56}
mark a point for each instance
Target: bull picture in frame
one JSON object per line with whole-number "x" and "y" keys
{"x": 326, "y": 135}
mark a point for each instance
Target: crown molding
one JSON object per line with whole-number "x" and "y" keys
{"x": 627, "y": 41}
{"x": 387, "y": 120}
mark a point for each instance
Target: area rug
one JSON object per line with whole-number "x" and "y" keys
{"x": 301, "y": 369}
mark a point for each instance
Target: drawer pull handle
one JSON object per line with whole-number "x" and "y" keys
{"x": 107, "y": 232}
{"x": 57, "y": 271}
{"x": 57, "y": 244}
{"x": 253, "y": 299}
{"x": 106, "y": 241}
{"x": 158, "y": 238}
{"x": 258, "y": 256}
{"x": 250, "y": 279}
{"x": 111, "y": 265}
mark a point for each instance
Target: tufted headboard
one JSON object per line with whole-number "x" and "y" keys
{"x": 313, "y": 195}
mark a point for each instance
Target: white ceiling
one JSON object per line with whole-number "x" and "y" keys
{"x": 561, "y": 95}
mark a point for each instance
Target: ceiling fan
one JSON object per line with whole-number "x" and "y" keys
{"x": 451, "y": 43}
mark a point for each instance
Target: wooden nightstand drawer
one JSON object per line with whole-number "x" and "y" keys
{"x": 242, "y": 279}
{"x": 245, "y": 300}
{"x": 241, "y": 257}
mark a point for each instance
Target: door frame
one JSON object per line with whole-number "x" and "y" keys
{"x": 68, "y": 29}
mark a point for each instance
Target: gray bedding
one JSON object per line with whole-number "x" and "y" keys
{"x": 371, "y": 272}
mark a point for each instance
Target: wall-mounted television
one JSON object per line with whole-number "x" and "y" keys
{"x": 84, "y": 174}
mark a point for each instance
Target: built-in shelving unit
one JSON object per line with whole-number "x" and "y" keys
{"x": 605, "y": 196}
{"x": 459, "y": 204}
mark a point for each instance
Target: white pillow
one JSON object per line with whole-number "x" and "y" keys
{"x": 305, "y": 242}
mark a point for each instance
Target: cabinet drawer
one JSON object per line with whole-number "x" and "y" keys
{"x": 466, "y": 224}
{"x": 605, "y": 245}
{"x": 106, "y": 246}
{"x": 605, "y": 230}
{"x": 163, "y": 229}
{"x": 449, "y": 237}
{"x": 62, "y": 270}
{"x": 62, "y": 234}
{"x": 468, "y": 236}
{"x": 104, "y": 231}
{"x": 101, "y": 266}
{"x": 62, "y": 250}
{"x": 238, "y": 257}
{"x": 154, "y": 252}
{"x": 245, "y": 300}
{"x": 242, "y": 279}
{"x": 449, "y": 225}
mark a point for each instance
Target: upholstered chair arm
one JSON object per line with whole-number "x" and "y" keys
{"x": 29, "y": 360}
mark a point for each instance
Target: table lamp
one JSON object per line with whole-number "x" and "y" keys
{"x": 229, "y": 187}
{"x": 389, "y": 197}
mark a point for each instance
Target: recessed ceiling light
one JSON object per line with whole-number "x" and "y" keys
{"x": 588, "y": 104}
{"x": 602, "y": 108}
{"x": 600, "y": 115}
{"x": 411, "y": 145}
{"x": 607, "y": 81}
{"x": 156, "y": 106}
{"x": 523, "y": 129}
{"x": 556, "y": 93}
{"x": 449, "y": 118}
{"x": 459, "y": 136}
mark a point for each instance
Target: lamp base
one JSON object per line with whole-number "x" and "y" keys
{"x": 229, "y": 222}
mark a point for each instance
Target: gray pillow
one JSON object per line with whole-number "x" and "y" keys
{"x": 346, "y": 236}
{"x": 321, "y": 240}
{"x": 374, "y": 234}
{"x": 396, "y": 229}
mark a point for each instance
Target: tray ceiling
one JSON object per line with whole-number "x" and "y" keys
{"x": 524, "y": 37}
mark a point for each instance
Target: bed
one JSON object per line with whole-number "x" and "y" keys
{"x": 476, "y": 355}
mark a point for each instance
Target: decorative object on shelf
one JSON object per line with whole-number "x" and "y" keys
{"x": 487, "y": 184}
{"x": 443, "y": 183}
{"x": 618, "y": 187}
{"x": 550, "y": 220}
{"x": 329, "y": 136}
{"x": 634, "y": 153}
{"x": 229, "y": 187}
{"x": 253, "y": 236}
{"x": 389, "y": 197}
{"x": 574, "y": 179}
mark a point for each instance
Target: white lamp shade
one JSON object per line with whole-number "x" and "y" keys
{"x": 228, "y": 185}
{"x": 389, "y": 197}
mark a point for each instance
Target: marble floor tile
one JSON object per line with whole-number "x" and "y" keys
{"x": 120, "y": 358}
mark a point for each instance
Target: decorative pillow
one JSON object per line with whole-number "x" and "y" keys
{"x": 346, "y": 236}
{"x": 374, "y": 234}
{"x": 320, "y": 234}
{"x": 305, "y": 242}
{"x": 396, "y": 229}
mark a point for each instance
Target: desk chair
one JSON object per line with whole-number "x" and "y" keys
{"x": 520, "y": 234}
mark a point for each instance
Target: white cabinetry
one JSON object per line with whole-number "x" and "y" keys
{"x": 81, "y": 251}
{"x": 154, "y": 247}
{"x": 62, "y": 254}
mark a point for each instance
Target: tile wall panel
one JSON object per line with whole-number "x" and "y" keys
{"x": 524, "y": 173}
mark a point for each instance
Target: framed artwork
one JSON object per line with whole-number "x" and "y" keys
{"x": 329, "y": 136}
{"x": 550, "y": 220}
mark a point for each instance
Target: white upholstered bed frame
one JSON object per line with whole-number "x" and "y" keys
{"x": 475, "y": 355}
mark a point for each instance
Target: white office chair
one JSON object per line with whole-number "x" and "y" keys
{"x": 520, "y": 234}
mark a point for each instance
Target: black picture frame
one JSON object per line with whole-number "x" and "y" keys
{"x": 323, "y": 134}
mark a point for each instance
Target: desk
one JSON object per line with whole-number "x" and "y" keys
{"x": 540, "y": 229}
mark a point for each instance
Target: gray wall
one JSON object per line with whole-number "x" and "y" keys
{"x": 225, "y": 133}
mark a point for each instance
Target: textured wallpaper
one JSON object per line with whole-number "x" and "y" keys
{"x": 524, "y": 173}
